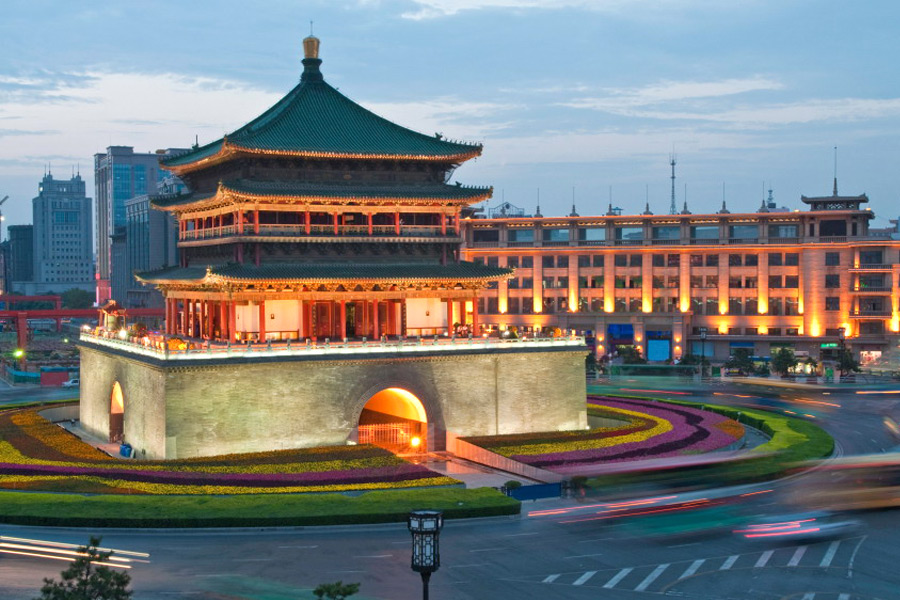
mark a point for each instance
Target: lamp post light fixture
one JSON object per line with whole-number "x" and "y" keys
{"x": 842, "y": 337}
{"x": 425, "y": 527}
{"x": 703, "y": 331}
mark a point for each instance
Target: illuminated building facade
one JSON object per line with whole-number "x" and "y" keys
{"x": 320, "y": 287}
{"x": 757, "y": 280}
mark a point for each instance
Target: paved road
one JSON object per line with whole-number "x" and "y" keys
{"x": 530, "y": 557}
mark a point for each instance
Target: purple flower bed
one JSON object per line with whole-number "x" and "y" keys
{"x": 372, "y": 475}
{"x": 692, "y": 430}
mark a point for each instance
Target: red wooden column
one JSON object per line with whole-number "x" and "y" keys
{"x": 376, "y": 332}
{"x": 262, "y": 321}
{"x": 397, "y": 222}
{"x": 443, "y": 223}
{"x": 204, "y": 318}
{"x": 302, "y": 321}
{"x": 450, "y": 320}
{"x": 308, "y": 320}
{"x": 306, "y": 222}
{"x": 256, "y": 254}
{"x": 232, "y": 319}
{"x": 256, "y": 221}
{"x": 184, "y": 323}
{"x": 456, "y": 222}
{"x": 475, "y": 315}
{"x": 369, "y": 221}
{"x": 171, "y": 315}
{"x": 223, "y": 320}
{"x": 343, "y": 324}
{"x": 335, "y": 218}
{"x": 239, "y": 219}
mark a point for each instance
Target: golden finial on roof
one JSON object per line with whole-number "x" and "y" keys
{"x": 310, "y": 44}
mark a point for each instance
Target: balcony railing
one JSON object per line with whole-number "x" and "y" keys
{"x": 871, "y": 289}
{"x": 879, "y": 314}
{"x": 318, "y": 230}
{"x": 159, "y": 347}
{"x": 872, "y": 267}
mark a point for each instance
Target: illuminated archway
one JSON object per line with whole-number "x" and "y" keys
{"x": 116, "y": 414}
{"x": 394, "y": 419}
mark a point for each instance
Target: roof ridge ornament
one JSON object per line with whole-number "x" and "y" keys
{"x": 311, "y": 60}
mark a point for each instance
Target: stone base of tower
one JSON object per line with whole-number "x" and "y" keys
{"x": 195, "y": 404}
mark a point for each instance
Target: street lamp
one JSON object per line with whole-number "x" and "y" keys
{"x": 702, "y": 348}
{"x": 425, "y": 527}
{"x": 842, "y": 336}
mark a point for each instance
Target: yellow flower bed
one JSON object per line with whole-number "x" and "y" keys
{"x": 36, "y": 426}
{"x": 660, "y": 427}
{"x": 170, "y": 489}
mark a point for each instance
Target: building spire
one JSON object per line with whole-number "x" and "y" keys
{"x": 672, "y": 157}
{"x": 762, "y": 207}
{"x": 647, "y": 209}
{"x": 537, "y": 212}
{"x": 311, "y": 60}
{"x": 685, "y": 210}
{"x": 574, "y": 212}
{"x": 835, "y": 192}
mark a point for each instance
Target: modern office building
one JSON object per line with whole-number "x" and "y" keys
{"x": 119, "y": 175}
{"x": 62, "y": 234}
{"x": 151, "y": 238}
{"x": 697, "y": 284}
{"x": 21, "y": 255}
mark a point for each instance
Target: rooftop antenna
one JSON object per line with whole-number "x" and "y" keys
{"x": 835, "y": 192}
{"x": 724, "y": 210}
{"x": 771, "y": 199}
{"x": 537, "y": 213}
{"x": 685, "y": 210}
{"x": 762, "y": 207}
{"x": 310, "y": 28}
{"x": 574, "y": 212}
{"x": 672, "y": 158}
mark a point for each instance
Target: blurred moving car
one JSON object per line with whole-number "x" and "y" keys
{"x": 75, "y": 382}
{"x": 808, "y": 526}
{"x": 863, "y": 482}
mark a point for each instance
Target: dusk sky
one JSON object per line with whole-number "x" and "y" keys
{"x": 584, "y": 94}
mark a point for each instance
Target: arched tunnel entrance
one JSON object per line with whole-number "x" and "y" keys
{"x": 394, "y": 419}
{"x": 116, "y": 414}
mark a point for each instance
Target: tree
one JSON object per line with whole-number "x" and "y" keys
{"x": 742, "y": 360}
{"x": 783, "y": 360}
{"x": 76, "y": 298}
{"x": 631, "y": 355}
{"x": 846, "y": 362}
{"x": 335, "y": 591}
{"x": 85, "y": 581}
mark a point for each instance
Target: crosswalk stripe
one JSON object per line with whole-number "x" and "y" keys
{"x": 581, "y": 580}
{"x": 798, "y": 554}
{"x": 809, "y": 596}
{"x": 617, "y": 578}
{"x": 763, "y": 559}
{"x": 651, "y": 577}
{"x": 729, "y": 562}
{"x": 693, "y": 568}
{"x": 829, "y": 554}
{"x": 844, "y": 597}
{"x": 551, "y": 578}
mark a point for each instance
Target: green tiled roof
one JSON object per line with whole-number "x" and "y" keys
{"x": 318, "y": 272}
{"x": 314, "y": 118}
{"x": 299, "y": 189}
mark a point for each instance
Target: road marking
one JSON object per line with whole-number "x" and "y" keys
{"x": 606, "y": 539}
{"x": 729, "y": 562}
{"x": 763, "y": 559}
{"x": 316, "y": 546}
{"x": 583, "y": 556}
{"x": 251, "y": 559}
{"x": 809, "y": 596}
{"x": 844, "y": 597}
{"x": 551, "y": 578}
{"x": 581, "y": 580}
{"x": 651, "y": 577}
{"x": 485, "y": 549}
{"x": 853, "y": 557}
{"x": 617, "y": 578}
{"x": 798, "y": 554}
{"x": 693, "y": 568}
{"x": 519, "y": 534}
{"x": 829, "y": 555}
{"x": 684, "y": 545}
{"x": 465, "y": 566}
{"x": 374, "y": 556}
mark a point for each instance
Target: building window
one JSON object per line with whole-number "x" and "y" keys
{"x": 527, "y": 262}
{"x": 791, "y": 281}
{"x": 734, "y": 282}
{"x": 562, "y": 262}
{"x": 634, "y": 305}
{"x": 556, "y": 235}
{"x": 547, "y": 262}
{"x": 513, "y": 283}
{"x": 696, "y": 260}
{"x": 776, "y": 306}
{"x": 598, "y": 260}
{"x": 584, "y": 260}
{"x": 659, "y": 282}
{"x": 512, "y": 262}
{"x": 712, "y": 260}
{"x": 696, "y": 281}
{"x": 791, "y": 259}
{"x": 659, "y": 260}
{"x": 637, "y": 260}
{"x": 527, "y": 282}
{"x": 620, "y": 282}
{"x": 673, "y": 260}
{"x": 734, "y": 260}
{"x": 735, "y": 306}
{"x": 493, "y": 261}
{"x": 712, "y": 281}
{"x": 751, "y": 306}
{"x": 751, "y": 260}
{"x": 791, "y": 307}
{"x": 775, "y": 259}
{"x": 832, "y": 280}
{"x": 774, "y": 281}
{"x": 832, "y": 259}
{"x": 621, "y": 260}
{"x": 832, "y": 303}
{"x": 712, "y": 305}
{"x": 871, "y": 257}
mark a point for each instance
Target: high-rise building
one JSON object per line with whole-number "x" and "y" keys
{"x": 119, "y": 175}
{"x": 62, "y": 256}
{"x": 21, "y": 255}
{"x": 151, "y": 238}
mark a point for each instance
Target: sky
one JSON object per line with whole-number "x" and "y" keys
{"x": 580, "y": 100}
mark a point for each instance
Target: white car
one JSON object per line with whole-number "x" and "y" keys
{"x": 71, "y": 383}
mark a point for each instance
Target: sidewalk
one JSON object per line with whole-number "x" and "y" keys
{"x": 472, "y": 474}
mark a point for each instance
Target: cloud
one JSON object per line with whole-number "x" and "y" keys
{"x": 432, "y": 9}
{"x": 621, "y": 99}
{"x": 450, "y": 116}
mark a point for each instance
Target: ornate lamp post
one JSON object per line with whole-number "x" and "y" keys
{"x": 425, "y": 527}
{"x": 702, "y": 350}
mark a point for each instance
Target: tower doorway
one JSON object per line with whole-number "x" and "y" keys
{"x": 116, "y": 415}
{"x": 394, "y": 419}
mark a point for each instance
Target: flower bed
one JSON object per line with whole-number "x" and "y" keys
{"x": 653, "y": 430}
{"x": 35, "y": 454}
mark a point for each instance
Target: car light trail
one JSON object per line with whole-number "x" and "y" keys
{"x": 67, "y": 552}
{"x": 656, "y": 391}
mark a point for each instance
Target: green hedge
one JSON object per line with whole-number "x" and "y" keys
{"x": 267, "y": 510}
